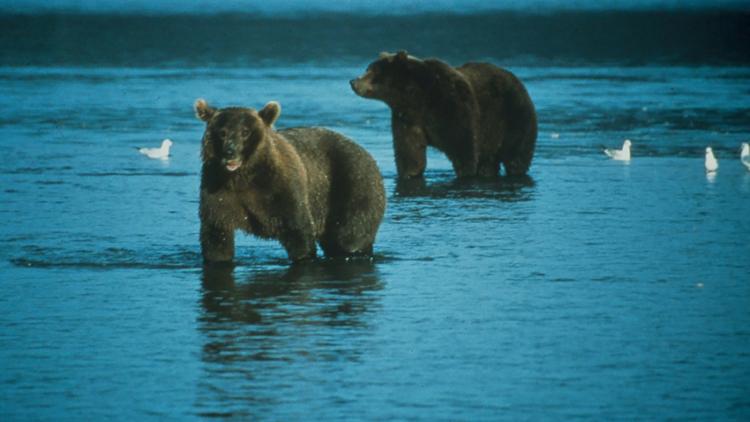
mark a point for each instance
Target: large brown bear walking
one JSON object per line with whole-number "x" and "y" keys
{"x": 297, "y": 185}
{"x": 478, "y": 114}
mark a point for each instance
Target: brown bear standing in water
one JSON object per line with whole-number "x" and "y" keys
{"x": 297, "y": 185}
{"x": 478, "y": 114}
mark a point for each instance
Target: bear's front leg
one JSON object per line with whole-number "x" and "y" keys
{"x": 409, "y": 147}
{"x": 217, "y": 244}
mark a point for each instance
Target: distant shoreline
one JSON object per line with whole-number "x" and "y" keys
{"x": 297, "y": 8}
{"x": 631, "y": 38}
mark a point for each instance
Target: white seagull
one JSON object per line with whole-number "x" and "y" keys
{"x": 620, "y": 154}
{"x": 745, "y": 155}
{"x": 711, "y": 164}
{"x": 161, "y": 153}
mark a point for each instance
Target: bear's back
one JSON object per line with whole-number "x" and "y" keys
{"x": 496, "y": 89}
{"x": 329, "y": 152}
{"x": 505, "y": 108}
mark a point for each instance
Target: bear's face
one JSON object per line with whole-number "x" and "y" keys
{"x": 233, "y": 134}
{"x": 386, "y": 79}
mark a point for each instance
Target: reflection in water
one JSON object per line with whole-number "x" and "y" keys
{"x": 326, "y": 292}
{"x": 266, "y": 323}
{"x": 503, "y": 188}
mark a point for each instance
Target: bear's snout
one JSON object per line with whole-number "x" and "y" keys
{"x": 360, "y": 86}
{"x": 231, "y": 156}
{"x": 230, "y": 151}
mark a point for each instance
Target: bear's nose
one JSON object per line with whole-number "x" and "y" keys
{"x": 353, "y": 82}
{"x": 230, "y": 151}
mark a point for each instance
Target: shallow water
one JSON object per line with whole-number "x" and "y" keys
{"x": 591, "y": 289}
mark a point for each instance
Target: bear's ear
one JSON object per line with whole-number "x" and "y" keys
{"x": 203, "y": 110}
{"x": 270, "y": 113}
{"x": 402, "y": 55}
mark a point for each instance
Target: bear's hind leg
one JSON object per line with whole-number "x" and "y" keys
{"x": 347, "y": 241}
{"x": 519, "y": 153}
{"x": 334, "y": 250}
{"x": 352, "y": 238}
{"x": 518, "y": 165}
{"x": 488, "y": 168}
{"x": 464, "y": 169}
{"x": 331, "y": 249}
{"x": 464, "y": 158}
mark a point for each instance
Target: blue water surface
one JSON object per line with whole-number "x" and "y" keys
{"x": 591, "y": 290}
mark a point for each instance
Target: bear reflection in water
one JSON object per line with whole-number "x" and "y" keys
{"x": 328, "y": 291}
{"x": 504, "y": 188}
{"x": 262, "y": 327}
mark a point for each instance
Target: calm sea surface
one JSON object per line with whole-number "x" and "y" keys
{"x": 590, "y": 290}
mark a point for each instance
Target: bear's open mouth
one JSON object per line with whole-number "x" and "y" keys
{"x": 233, "y": 165}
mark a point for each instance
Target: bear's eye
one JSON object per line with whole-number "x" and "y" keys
{"x": 245, "y": 133}
{"x": 223, "y": 133}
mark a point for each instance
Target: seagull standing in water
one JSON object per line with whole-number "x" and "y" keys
{"x": 745, "y": 155}
{"x": 161, "y": 153}
{"x": 620, "y": 154}
{"x": 711, "y": 164}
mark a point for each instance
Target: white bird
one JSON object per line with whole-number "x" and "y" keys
{"x": 620, "y": 154}
{"x": 711, "y": 163}
{"x": 161, "y": 153}
{"x": 745, "y": 155}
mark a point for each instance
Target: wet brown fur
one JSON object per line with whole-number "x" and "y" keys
{"x": 300, "y": 186}
{"x": 478, "y": 114}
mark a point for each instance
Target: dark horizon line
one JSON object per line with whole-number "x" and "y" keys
{"x": 590, "y": 36}
{"x": 322, "y": 13}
